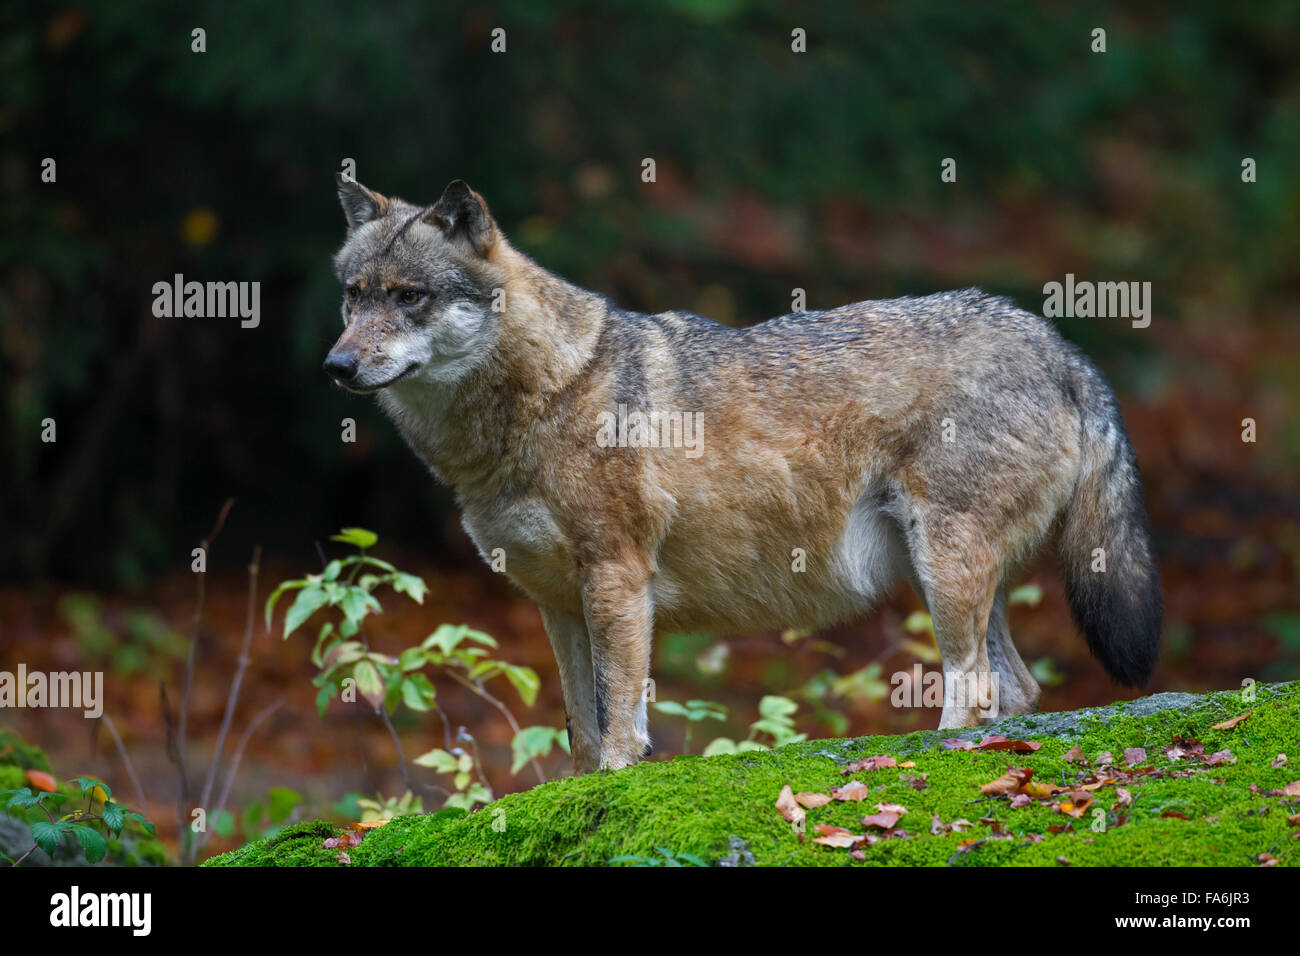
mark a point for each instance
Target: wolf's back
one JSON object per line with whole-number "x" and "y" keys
{"x": 1112, "y": 582}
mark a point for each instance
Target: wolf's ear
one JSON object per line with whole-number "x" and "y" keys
{"x": 360, "y": 205}
{"x": 461, "y": 213}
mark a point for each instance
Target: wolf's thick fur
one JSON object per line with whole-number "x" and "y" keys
{"x": 939, "y": 439}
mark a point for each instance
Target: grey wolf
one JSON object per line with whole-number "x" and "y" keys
{"x": 938, "y": 439}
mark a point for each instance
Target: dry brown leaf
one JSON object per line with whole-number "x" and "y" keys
{"x": 883, "y": 821}
{"x": 811, "y": 801}
{"x": 1009, "y": 782}
{"x": 1229, "y": 724}
{"x": 879, "y": 762}
{"x": 955, "y": 744}
{"x": 1105, "y": 757}
{"x": 1021, "y": 800}
{"x": 1279, "y": 761}
{"x": 1125, "y": 797}
{"x": 854, "y": 790}
{"x": 835, "y": 836}
{"x": 1292, "y": 789}
{"x": 1267, "y": 859}
{"x": 998, "y": 742}
{"x": 1134, "y": 756}
{"x": 1074, "y": 754}
{"x": 789, "y": 809}
{"x": 1176, "y": 815}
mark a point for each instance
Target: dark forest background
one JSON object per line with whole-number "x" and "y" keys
{"x": 775, "y": 170}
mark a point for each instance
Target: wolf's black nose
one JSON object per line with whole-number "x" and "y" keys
{"x": 342, "y": 367}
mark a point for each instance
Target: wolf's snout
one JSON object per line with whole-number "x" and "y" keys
{"x": 341, "y": 366}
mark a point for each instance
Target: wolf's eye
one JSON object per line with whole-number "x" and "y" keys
{"x": 354, "y": 293}
{"x": 411, "y": 296}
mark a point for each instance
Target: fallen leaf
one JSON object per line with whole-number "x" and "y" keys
{"x": 1220, "y": 757}
{"x": 1176, "y": 815}
{"x": 835, "y": 836}
{"x": 1292, "y": 789}
{"x": 916, "y": 783}
{"x": 870, "y": 763}
{"x": 1021, "y": 800}
{"x": 1074, "y": 754}
{"x": 907, "y": 764}
{"x": 1076, "y": 804}
{"x": 1105, "y": 757}
{"x": 1229, "y": 724}
{"x": 1279, "y": 761}
{"x": 1293, "y": 820}
{"x": 790, "y": 810}
{"x": 854, "y": 790}
{"x": 955, "y": 744}
{"x": 368, "y": 824}
{"x": 998, "y": 742}
{"x": 891, "y": 808}
{"x": 40, "y": 780}
{"x": 344, "y": 858}
{"x": 1125, "y": 797}
{"x": 1134, "y": 755}
{"x": 1040, "y": 788}
{"x": 1062, "y": 861}
{"x": 1267, "y": 859}
{"x": 1009, "y": 782}
{"x": 883, "y": 821}
{"x": 811, "y": 801}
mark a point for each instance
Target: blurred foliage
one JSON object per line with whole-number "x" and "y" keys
{"x": 775, "y": 171}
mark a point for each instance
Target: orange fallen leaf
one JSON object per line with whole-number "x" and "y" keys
{"x": 1134, "y": 755}
{"x": 1074, "y": 754}
{"x": 998, "y": 742}
{"x": 1292, "y": 789}
{"x": 1229, "y": 724}
{"x": 1009, "y": 782}
{"x": 854, "y": 790}
{"x": 835, "y": 836}
{"x": 1176, "y": 815}
{"x": 811, "y": 801}
{"x": 40, "y": 780}
{"x": 368, "y": 824}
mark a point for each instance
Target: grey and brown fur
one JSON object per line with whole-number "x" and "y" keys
{"x": 823, "y": 431}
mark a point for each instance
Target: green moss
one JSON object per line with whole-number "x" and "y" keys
{"x": 705, "y": 805}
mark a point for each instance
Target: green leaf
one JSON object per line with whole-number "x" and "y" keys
{"x": 283, "y": 802}
{"x": 357, "y": 603}
{"x": 722, "y": 745}
{"x": 275, "y": 596}
{"x": 418, "y": 692}
{"x": 149, "y": 827}
{"x": 919, "y": 622}
{"x": 671, "y": 707}
{"x": 411, "y": 659}
{"x": 439, "y": 760}
{"x": 88, "y": 784}
{"x": 318, "y": 652}
{"x": 114, "y": 816}
{"x": 525, "y": 681}
{"x": 23, "y": 798}
{"x": 411, "y": 585}
{"x": 309, "y": 601}
{"x": 94, "y": 844}
{"x": 332, "y": 570}
{"x": 369, "y": 683}
{"x": 47, "y": 835}
{"x": 533, "y": 742}
{"x": 223, "y": 824}
{"x": 446, "y": 637}
{"x": 323, "y": 697}
{"x": 358, "y": 537}
{"x": 1030, "y": 594}
{"x": 773, "y": 707}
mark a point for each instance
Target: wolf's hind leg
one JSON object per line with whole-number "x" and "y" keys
{"x": 1018, "y": 691}
{"x": 958, "y": 573}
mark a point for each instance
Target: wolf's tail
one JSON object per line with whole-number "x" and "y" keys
{"x": 1111, "y": 578}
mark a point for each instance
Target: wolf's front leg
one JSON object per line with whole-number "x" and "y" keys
{"x": 572, "y": 647}
{"x": 616, "y": 596}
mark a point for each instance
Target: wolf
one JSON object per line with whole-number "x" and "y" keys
{"x": 937, "y": 439}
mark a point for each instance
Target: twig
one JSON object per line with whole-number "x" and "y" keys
{"x": 477, "y": 688}
{"x": 182, "y": 797}
{"x": 126, "y": 760}
{"x": 239, "y": 752}
{"x": 232, "y": 698}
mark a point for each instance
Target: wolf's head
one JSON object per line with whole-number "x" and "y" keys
{"x": 417, "y": 288}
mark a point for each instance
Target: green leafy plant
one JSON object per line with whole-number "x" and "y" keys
{"x": 775, "y": 721}
{"x": 385, "y": 808}
{"x": 91, "y": 827}
{"x": 346, "y": 662}
{"x": 694, "y": 711}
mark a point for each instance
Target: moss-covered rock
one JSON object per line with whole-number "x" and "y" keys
{"x": 1185, "y": 810}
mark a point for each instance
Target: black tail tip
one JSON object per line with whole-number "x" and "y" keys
{"x": 1122, "y": 627}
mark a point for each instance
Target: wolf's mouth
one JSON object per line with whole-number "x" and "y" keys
{"x": 369, "y": 389}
